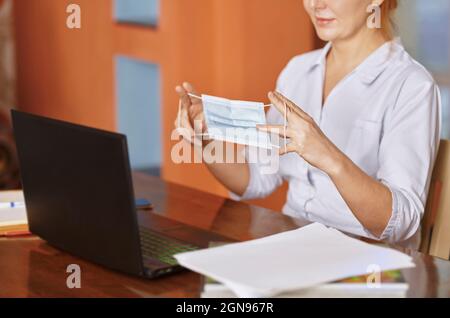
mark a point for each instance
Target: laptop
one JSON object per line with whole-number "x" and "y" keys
{"x": 78, "y": 190}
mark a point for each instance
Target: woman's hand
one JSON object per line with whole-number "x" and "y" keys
{"x": 306, "y": 138}
{"x": 190, "y": 118}
{"x": 190, "y": 122}
{"x": 369, "y": 200}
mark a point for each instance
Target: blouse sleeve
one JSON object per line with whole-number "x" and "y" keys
{"x": 407, "y": 153}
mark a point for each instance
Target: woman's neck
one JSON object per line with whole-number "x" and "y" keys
{"x": 350, "y": 52}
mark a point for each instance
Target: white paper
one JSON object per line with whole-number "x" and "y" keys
{"x": 291, "y": 261}
{"x": 12, "y": 216}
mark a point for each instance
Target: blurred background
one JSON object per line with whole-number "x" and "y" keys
{"x": 118, "y": 72}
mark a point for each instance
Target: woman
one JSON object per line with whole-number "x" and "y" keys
{"x": 364, "y": 126}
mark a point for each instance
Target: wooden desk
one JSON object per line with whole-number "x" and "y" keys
{"x": 29, "y": 267}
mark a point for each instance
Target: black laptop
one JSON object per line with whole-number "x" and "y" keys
{"x": 79, "y": 196}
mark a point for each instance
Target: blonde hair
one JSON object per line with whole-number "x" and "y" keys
{"x": 388, "y": 8}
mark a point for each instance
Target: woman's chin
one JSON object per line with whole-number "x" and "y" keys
{"x": 326, "y": 35}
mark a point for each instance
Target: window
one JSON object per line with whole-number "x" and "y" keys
{"x": 424, "y": 27}
{"x": 143, "y": 12}
{"x": 138, "y": 91}
{"x": 138, "y": 112}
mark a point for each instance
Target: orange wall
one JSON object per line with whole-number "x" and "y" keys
{"x": 232, "y": 48}
{"x": 65, "y": 73}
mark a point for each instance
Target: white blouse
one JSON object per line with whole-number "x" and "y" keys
{"x": 385, "y": 116}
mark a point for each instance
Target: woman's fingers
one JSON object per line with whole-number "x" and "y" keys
{"x": 276, "y": 129}
{"x": 287, "y": 149}
{"x": 291, "y": 105}
{"x": 190, "y": 90}
{"x": 283, "y": 107}
{"x": 277, "y": 103}
{"x": 184, "y": 97}
{"x": 285, "y": 133}
{"x": 187, "y": 131}
{"x": 182, "y": 122}
{"x": 186, "y": 107}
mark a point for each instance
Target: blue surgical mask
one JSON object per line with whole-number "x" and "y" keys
{"x": 235, "y": 121}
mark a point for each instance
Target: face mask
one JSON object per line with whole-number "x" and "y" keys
{"x": 235, "y": 121}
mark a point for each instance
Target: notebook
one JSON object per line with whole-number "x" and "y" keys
{"x": 391, "y": 285}
{"x": 12, "y": 219}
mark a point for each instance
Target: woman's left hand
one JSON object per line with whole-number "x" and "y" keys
{"x": 306, "y": 138}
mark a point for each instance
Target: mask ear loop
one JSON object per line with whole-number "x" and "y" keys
{"x": 194, "y": 96}
{"x": 179, "y": 115}
{"x": 285, "y": 127}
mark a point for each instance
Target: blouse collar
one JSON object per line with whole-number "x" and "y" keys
{"x": 374, "y": 65}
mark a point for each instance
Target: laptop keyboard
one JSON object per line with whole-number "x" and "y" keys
{"x": 162, "y": 248}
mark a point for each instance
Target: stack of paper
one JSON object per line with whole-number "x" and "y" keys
{"x": 335, "y": 290}
{"x": 291, "y": 261}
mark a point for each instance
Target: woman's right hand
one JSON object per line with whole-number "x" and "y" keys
{"x": 190, "y": 123}
{"x": 190, "y": 118}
